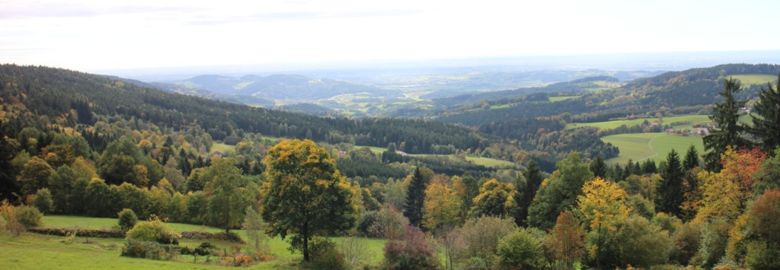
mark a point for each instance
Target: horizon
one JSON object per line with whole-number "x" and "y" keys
{"x": 123, "y": 36}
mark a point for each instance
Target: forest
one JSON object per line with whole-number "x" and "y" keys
{"x": 80, "y": 145}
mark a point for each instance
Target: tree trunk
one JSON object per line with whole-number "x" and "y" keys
{"x": 305, "y": 234}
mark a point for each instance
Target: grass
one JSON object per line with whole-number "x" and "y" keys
{"x": 753, "y": 79}
{"x": 34, "y": 251}
{"x": 490, "y": 162}
{"x": 643, "y": 146}
{"x": 108, "y": 223}
{"x": 677, "y": 122}
{"x": 561, "y": 98}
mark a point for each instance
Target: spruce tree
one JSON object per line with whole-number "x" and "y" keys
{"x": 670, "y": 190}
{"x": 766, "y": 123}
{"x": 598, "y": 167}
{"x": 728, "y": 130}
{"x": 415, "y": 197}
{"x": 691, "y": 159}
{"x": 533, "y": 179}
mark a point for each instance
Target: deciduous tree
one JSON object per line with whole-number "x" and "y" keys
{"x": 304, "y": 193}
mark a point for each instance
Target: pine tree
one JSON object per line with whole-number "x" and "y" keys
{"x": 670, "y": 190}
{"x": 415, "y": 197}
{"x": 766, "y": 126}
{"x": 598, "y": 167}
{"x": 691, "y": 159}
{"x": 726, "y": 117}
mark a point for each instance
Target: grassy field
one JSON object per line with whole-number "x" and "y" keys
{"x": 677, "y": 122}
{"x": 643, "y": 146}
{"x": 561, "y": 98}
{"x": 490, "y": 162}
{"x": 753, "y": 79}
{"x": 482, "y": 161}
{"x": 33, "y": 251}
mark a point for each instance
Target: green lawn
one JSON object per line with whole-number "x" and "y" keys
{"x": 34, "y": 251}
{"x": 643, "y": 146}
{"x": 753, "y": 79}
{"x": 677, "y": 122}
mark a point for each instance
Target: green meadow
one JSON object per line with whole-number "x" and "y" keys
{"x": 753, "y": 79}
{"x": 35, "y": 251}
{"x": 677, "y": 122}
{"x": 643, "y": 146}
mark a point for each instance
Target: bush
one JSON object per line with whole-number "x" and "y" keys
{"x": 43, "y": 201}
{"x": 412, "y": 252}
{"x": 480, "y": 236}
{"x": 29, "y": 216}
{"x": 127, "y": 219}
{"x": 9, "y": 220}
{"x": 148, "y": 250}
{"x": 390, "y": 223}
{"x": 153, "y": 231}
{"x": 328, "y": 259}
{"x": 521, "y": 250}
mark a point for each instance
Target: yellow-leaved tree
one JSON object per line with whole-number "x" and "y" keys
{"x": 305, "y": 194}
{"x": 442, "y": 206}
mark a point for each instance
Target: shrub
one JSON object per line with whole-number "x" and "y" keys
{"x": 480, "y": 236}
{"x": 390, "y": 223}
{"x": 412, "y": 252}
{"x": 148, "y": 250}
{"x": 354, "y": 251}
{"x": 521, "y": 250}
{"x": 328, "y": 259}
{"x": 127, "y": 219}
{"x": 43, "y": 200}
{"x": 366, "y": 224}
{"x": 154, "y": 231}
{"x": 9, "y": 220}
{"x": 28, "y": 216}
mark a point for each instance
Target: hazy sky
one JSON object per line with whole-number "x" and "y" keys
{"x": 96, "y": 35}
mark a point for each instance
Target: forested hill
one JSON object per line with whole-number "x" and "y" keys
{"x": 81, "y": 98}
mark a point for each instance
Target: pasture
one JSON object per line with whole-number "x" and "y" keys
{"x": 35, "y": 251}
{"x": 677, "y": 122}
{"x": 643, "y": 146}
{"x": 754, "y": 79}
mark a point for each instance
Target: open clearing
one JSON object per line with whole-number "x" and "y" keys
{"x": 643, "y": 146}
{"x": 35, "y": 251}
{"x": 753, "y": 79}
{"x": 677, "y": 122}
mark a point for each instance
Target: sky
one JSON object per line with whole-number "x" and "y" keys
{"x": 96, "y": 35}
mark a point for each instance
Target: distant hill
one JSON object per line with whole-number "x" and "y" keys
{"x": 307, "y": 108}
{"x": 279, "y": 87}
{"x": 76, "y": 97}
{"x": 688, "y": 91}
{"x": 580, "y": 85}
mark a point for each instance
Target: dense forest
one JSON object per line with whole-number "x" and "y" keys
{"x": 77, "y": 144}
